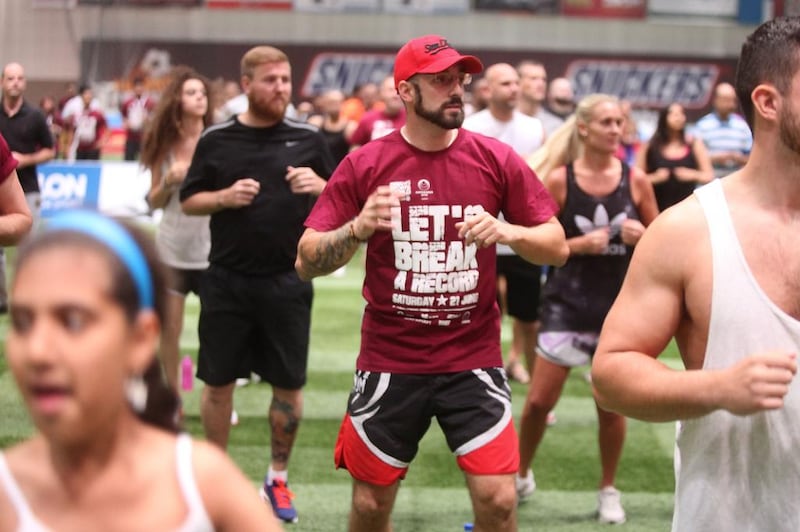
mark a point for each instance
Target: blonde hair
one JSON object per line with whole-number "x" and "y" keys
{"x": 260, "y": 55}
{"x": 565, "y": 144}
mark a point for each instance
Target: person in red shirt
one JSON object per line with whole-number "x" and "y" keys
{"x": 379, "y": 122}
{"x": 90, "y": 127}
{"x": 135, "y": 114}
{"x": 15, "y": 220}
{"x": 426, "y": 198}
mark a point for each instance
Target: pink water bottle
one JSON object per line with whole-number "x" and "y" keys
{"x": 187, "y": 373}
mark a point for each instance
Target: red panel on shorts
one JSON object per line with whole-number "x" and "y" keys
{"x": 351, "y": 453}
{"x": 498, "y": 457}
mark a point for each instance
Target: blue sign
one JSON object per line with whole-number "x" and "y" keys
{"x": 69, "y": 186}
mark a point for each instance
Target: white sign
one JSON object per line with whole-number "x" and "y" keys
{"x": 714, "y": 8}
{"x": 424, "y": 7}
{"x": 337, "y": 5}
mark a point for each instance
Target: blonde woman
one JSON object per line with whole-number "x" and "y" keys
{"x": 604, "y": 206}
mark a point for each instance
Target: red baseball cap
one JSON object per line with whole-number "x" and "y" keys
{"x": 428, "y": 55}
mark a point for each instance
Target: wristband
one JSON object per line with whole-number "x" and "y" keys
{"x": 352, "y": 232}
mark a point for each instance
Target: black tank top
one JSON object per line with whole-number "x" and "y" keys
{"x": 671, "y": 191}
{"x": 578, "y": 295}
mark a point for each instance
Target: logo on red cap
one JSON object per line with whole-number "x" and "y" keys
{"x": 436, "y": 47}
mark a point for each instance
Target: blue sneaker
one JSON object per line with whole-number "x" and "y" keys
{"x": 280, "y": 497}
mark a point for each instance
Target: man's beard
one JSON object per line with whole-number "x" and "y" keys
{"x": 438, "y": 117}
{"x": 272, "y": 110}
{"x": 789, "y": 129}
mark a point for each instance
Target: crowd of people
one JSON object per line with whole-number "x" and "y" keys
{"x": 471, "y": 200}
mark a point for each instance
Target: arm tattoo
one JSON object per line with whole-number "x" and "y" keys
{"x": 334, "y": 249}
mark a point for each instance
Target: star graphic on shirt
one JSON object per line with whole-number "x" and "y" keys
{"x": 600, "y": 219}
{"x": 441, "y": 300}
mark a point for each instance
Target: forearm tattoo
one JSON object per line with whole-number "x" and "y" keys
{"x": 334, "y": 249}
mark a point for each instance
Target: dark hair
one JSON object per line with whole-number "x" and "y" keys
{"x": 162, "y": 401}
{"x": 661, "y": 134}
{"x": 769, "y": 55}
{"x": 164, "y": 128}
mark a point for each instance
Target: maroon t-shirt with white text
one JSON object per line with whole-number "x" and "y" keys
{"x": 7, "y": 162}
{"x": 431, "y": 302}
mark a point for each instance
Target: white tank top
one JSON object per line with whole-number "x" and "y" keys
{"x": 196, "y": 521}
{"x": 739, "y": 473}
{"x": 182, "y": 241}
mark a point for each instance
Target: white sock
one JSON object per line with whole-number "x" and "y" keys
{"x": 280, "y": 475}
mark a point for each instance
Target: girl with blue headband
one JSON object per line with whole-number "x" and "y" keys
{"x": 87, "y": 304}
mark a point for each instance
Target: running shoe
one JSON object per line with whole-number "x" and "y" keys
{"x": 280, "y": 497}
{"x": 525, "y": 485}
{"x": 609, "y": 507}
{"x": 516, "y": 371}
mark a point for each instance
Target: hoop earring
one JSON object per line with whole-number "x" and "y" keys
{"x": 136, "y": 392}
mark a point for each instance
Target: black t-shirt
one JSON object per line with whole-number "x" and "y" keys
{"x": 260, "y": 238}
{"x": 26, "y": 132}
{"x": 578, "y": 295}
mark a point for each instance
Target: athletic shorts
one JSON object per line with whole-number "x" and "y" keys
{"x": 523, "y": 286}
{"x": 182, "y": 281}
{"x": 568, "y": 348}
{"x": 254, "y": 324}
{"x": 388, "y": 414}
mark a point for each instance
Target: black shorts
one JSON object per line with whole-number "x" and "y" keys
{"x": 183, "y": 281}
{"x": 388, "y": 414}
{"x": 523, "y": 286}
{"x": 254, "y": 324}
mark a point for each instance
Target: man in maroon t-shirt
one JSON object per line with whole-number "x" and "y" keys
{"x": 15, "y": 220}
{"x": 377, "y": 123}
{"x": 426, "y": 199}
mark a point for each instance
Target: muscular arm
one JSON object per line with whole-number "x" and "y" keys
{"x": 666, "y": 292}
{"x": 626, "y": 376}
{"x": 15, "y": 218}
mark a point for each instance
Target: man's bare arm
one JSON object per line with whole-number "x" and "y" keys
{"x": 320, "y": 253}
{"x": 40, "y": 156}
{"x": 540, "y": 244}
{"x": 626, "y": 376}
{"x": 15, "y": 217}
{"x": 325, "y": 252}
{"x": 651, "y": 308}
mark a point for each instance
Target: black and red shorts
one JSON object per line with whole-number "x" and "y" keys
{"x": 388, "y": 414}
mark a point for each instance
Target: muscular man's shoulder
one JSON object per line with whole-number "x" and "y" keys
{"x": 680, "y": 230}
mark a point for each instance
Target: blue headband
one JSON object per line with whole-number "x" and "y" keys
{"x": 111, "y": 234}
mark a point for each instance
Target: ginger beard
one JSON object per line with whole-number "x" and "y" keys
{"x": 272, "y": 109}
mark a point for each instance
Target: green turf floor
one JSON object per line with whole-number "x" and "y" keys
{"x": 433, "y": 496}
